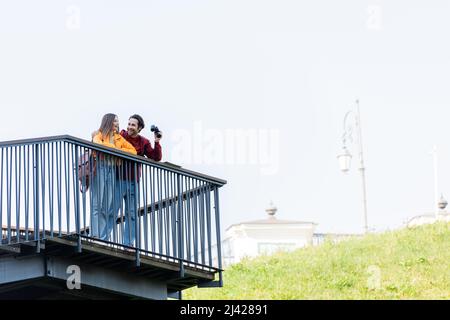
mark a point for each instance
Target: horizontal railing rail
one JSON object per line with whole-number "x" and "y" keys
{"x": 142, "y": 160}
{"x": 63, "y": 185}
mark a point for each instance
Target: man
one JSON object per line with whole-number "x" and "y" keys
{"x": 141, "y": 144}
{"x": 127, "y": 189}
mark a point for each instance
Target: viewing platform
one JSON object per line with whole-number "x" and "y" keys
{"x": 176, "y": 228}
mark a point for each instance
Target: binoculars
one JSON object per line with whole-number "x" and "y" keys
{"x": 157, "y": 132}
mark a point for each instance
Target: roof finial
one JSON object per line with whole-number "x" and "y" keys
{"x": 442, "y": 203}
{"x": 271, "y": 210}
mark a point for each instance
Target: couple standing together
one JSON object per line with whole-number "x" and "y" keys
{"x": 115, "y": 181}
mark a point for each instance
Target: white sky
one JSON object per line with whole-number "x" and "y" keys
{"x": 294, "y": 67}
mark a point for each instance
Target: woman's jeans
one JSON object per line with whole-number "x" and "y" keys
{"x": 126, "y": 191}
{"x": 103, "y": 214}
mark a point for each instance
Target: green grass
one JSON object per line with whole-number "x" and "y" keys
{"x": 404, "y": 264}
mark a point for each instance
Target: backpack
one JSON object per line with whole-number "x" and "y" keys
{"x": 86, "y": 169}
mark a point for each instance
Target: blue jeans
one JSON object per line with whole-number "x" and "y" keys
{"x": 103, "y": 214}
{"x": 126, "y": 190}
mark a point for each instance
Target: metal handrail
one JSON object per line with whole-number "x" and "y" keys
{"x": 115, "y": 152}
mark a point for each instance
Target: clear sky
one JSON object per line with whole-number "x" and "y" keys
{"x": 250, "y": 91}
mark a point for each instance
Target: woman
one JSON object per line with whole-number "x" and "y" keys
{"x": 103, "y": 217}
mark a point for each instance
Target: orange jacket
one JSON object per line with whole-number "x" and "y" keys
{"x": 119, "y": 143}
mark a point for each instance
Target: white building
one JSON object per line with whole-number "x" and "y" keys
{"x": 253, "y": 238}
{"x": 441, "y": 215}
{"x": 428, "y": 218}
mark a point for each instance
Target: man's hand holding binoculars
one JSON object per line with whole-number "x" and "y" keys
{"x": 157, "y": 132}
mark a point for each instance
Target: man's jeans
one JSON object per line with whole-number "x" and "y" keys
{"x": 126, "y": 191}
{"x": 103, "y": 214}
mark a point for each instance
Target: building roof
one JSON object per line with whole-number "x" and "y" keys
{"x": 271, "y": 220}
{"x": 428, "y": 215}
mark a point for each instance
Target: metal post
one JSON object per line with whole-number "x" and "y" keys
{"x": 1, "y": 188}
{"x": 36, "y": 198}
{"x": 77, "y": 199}
{"x": 8, "y": 191}
{"x": 18, "y": 178}
{"x": 42, "y": 160}
{"x": 195, "y": 219}
{"x": 51, "y": 176}
{"x": 136, "y": 214}
{"x": 180, "y": 220}
{"x": 219, "y": 241}
{"x": 362, "y": 169}
{"x": 26, "y": 171}
{"x": 180, "y": 225}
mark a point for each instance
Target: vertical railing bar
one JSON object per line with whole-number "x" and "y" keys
{"x": 163, "y": 187}
{"x": 145, "y": 206}
{"x": 166, "y": 212}
{"x": 128, "y": 204}
{"x": 185, "y": 222}
{"x": 162, "y": 192}
{"x": 219, "y": 241}
{"x": 160, "y": 220}
{"x": 73, "y": 172}
{"x": 180, "y": 220}
{"x": 202, "y": 223}
{"x": 93, "y": 159}
{"x": 188, "y": 218}
{"x": 26, "y": 169}
{"x": 152, "y": 213}
{"x": 8, "y": 190}
{"x": 108, "y": 161}
{"x": 175, "y": 240}
{"x": 36, "y": 192}
{"x": 114, "y": 182}
{"x": 121, "y": 231}
{"x": 173, "y": 216}
{"x": 84, "y": 151}
{"x": 42, "y": 159}
{"x": 66, "y": 181}
{"x": 106, "y": 195}
{"x": 51, "y": 176}
{"x": 18, "y": 191}
{"x": 136, "y": 219}
{"x": 208, "y": 222}
{"x": 195, "y": 219}
{"x": 82, "y": 185}
{"x": 99, "y": 166}
{"x": 33, "y": 158}
{"x": 1, "y": 190}
{"x": 75, "y": 149}
{"x": 59, "y": 185}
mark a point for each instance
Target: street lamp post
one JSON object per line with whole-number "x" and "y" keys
{"x": 345, "y": 157}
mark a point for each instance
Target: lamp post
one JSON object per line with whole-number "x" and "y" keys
{"x": 346, "y": 157}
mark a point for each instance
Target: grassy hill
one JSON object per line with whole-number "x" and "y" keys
{"x": 404, "y": 264}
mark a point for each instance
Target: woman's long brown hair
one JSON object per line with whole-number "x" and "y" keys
{"x": 107, "y": 126}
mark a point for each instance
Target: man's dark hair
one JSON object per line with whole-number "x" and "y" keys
{"x": 140, "y": 121}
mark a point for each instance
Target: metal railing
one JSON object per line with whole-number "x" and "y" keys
{"x": 44, "y": 194}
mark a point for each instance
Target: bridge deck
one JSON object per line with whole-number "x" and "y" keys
{"x": 122, "y": 261}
